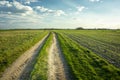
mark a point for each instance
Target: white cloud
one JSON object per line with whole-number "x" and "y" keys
{"x": 32, "y": 0}
{"x": 29, "y": 1}
{"x": 5, "y": 3}
{"x": 59, "y": 13}
{"x": 94, "y": 0}
{"x": 18, "y": 8}
{"x": 15, "y": 14}
{"x": 47, "y": 11}
{"x": 42, "y": 9}
{"x": 14, "y": 7}
{"x": 80, "y": 8}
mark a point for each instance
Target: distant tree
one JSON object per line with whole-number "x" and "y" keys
{"x": 80, "y": 28}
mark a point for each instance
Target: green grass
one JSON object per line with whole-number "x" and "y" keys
{"x": 40, "y": 69}
{"x": 15, "y": 42}
{"x": 105, "y": 43}
{"x": 84, "y": 64}
{"x": 86, "y": 52}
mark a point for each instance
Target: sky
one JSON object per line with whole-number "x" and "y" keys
{"x": 68, "y": 14}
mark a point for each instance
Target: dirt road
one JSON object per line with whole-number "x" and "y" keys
{"x": 57, "y": 68}
{"x": 21, "y": 68}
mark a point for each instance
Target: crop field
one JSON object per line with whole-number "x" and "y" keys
{"x": 105, "y": 43}
{"x": 60, "y": 55}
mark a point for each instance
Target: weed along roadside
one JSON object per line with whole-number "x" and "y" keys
{"x": 22, "y": 67}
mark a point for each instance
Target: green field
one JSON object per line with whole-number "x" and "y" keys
{"x": 15, "y": 42}
{"x": 84, "y": 64}
{"x": 89, "y": 54}
{"x": 105, "y": 43}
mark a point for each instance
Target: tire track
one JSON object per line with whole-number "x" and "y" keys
{"x": 57, "y": 68}
{"x": 21, "y": 68}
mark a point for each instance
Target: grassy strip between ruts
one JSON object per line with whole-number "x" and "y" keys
{"x": 40, "y": 69}
{"x": 84, "y": 64}
{"x": 14, "y": 43}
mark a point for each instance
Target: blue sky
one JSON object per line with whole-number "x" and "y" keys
{"x": 59, "y": 14}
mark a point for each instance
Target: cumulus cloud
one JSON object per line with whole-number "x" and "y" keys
{"x": 14, "y": 13}
{"x": 80, "y": 8}
{"x": 14, "y": 7}
{"x": 47, "y": 11}
{"x": 42, "y": 9}
{"x": 18, "y": 8}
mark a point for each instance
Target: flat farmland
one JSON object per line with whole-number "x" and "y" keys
{"x": 60, "y": 54}
{"x": 105, "y": 43}
{"x": 86, "y": 52}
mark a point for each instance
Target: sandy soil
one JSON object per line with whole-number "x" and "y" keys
{"x": 21, "y": 68}
{"x": 57, "y": 68}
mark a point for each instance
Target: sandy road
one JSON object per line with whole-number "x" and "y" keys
{"x": 57, "y": 68}
{"x": 21, "y": 68}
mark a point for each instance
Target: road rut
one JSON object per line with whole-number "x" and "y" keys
{"x": 57, "y": 68}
